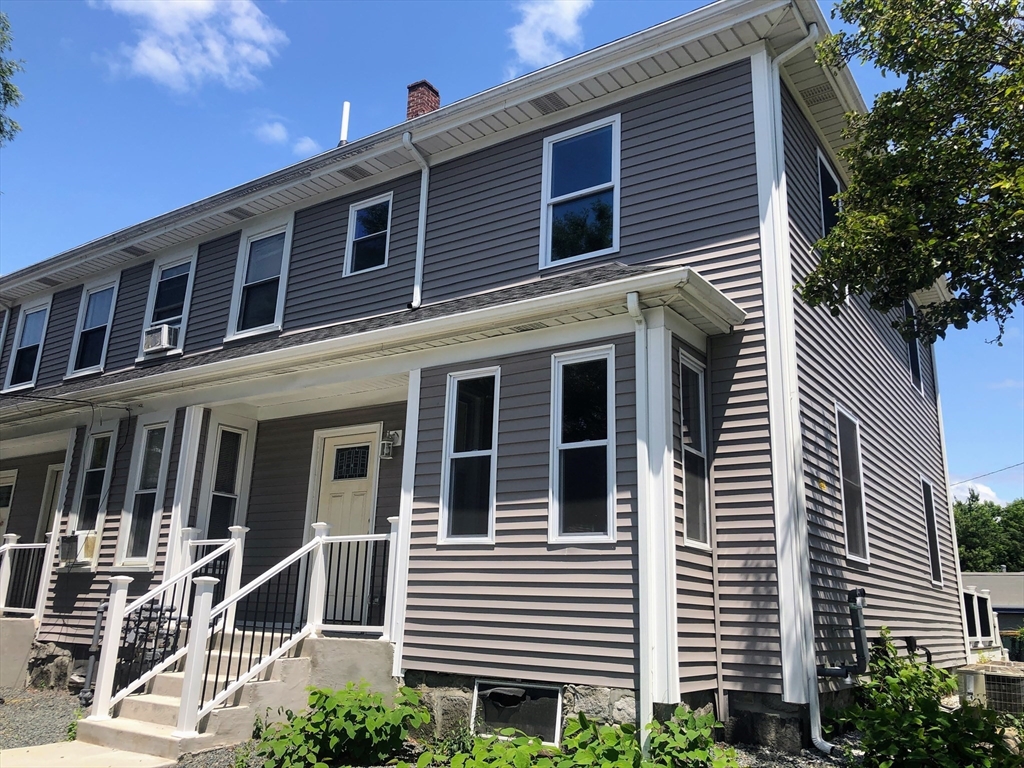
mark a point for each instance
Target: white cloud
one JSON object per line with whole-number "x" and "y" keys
{"x": 306, "y": 146}
{"x": 271, "y": 133}
{"x": 962, "y": 491}
{"x": 1007, "y": 384}
{"x": 184, "y": 44}
{"x": 546, "y": 32}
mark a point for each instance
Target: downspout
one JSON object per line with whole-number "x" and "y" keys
{"x": 810, "y": 666}
{"x": 421, "y": 222}
{"x": 646, "y": 693}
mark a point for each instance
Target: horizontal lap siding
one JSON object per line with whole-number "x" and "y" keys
{"x": 319, "y": 292}
{"x": 126, "y": 330}
{"x": 60, "y": 330}
{"x": 280, "y": 481}
{"x": 688, "y": 187}
{"x": 27, "y": 502}
{"x": 523, "y": 608}
{"x": 860, "y": 361}
{"x": 211, "y": 294}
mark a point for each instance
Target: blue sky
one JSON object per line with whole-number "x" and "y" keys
{"x": 133, "y": 109}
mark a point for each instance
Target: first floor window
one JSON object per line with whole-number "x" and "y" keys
{"x": 583, "y": 444}
{"x": 92, "y": 337}
{"x": 224, "y": 498}
{"x": 7, "y": 480}
{"x": 261, "y": 282}
{"x": 26, "y": 349}
{"x": 931, "y": 531}
{"x": 471, "y": 438}
{"x": 94, "y": 482}
{"x": 694, "y": 449}
{"x": 145, "y": 502}
{"x": 852, "y": 485}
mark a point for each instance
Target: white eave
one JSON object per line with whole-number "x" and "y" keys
{"x": 661, "y": 54}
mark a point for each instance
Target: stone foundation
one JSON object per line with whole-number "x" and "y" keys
{"x": 766, "y": 720}
{"x": 49, "y": 665}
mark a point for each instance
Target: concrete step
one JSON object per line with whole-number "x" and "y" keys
{"x": 171, "y": 683}
{"x": 140, "y": 736}
{"x": 152, "y": 708}
{"x": 79, "y": 754}
{"x": 240, "y": 641}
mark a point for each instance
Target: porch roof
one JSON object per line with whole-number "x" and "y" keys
{"x": 567, "y": 298}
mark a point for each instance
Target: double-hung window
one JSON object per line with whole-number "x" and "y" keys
{"x": 369, "y": 232}
{"x": 144, "y": 503}
{"x": 168, "y": 305}
{"x": 694, "y": 446}
{"x": 95, "y": 481}
{"x": 582, "y": 492}
{"x": 913, "y": 351}
{"x": 852, "y": 485}
{"x": 28, "y": 345}
{"x": 94, "y": 316}
{"x": 828, "y": 188}
{"x": 931, "y": 531}
{"x": 226, "y": 481}
{"x": 260, "y": 279}
{"x": 580, "y": 193}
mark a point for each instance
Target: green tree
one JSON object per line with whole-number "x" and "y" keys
{"x": 989, "y": 535}
{"x": 10, "y": 94}
{"x": 936, "y": 167}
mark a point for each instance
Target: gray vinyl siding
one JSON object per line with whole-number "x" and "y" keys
{"x": 523, "y": 608}
{"x": 318, "y": 292}
{"x": 129, "y": 316}
{"x": 8, "y": 343}
{"x": 27, "y": 502}
{"x": 211, "y": 293}
{"x": 858, "y": 360}
{"x": 60, "y": 332}
{"x": 280, "y": 481}
{"x": 688, "y": 188}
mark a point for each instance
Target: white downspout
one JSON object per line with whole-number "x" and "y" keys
{"x": 421, "y": 222}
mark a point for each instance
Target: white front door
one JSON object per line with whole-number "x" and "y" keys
{"x": 346, "y": 502}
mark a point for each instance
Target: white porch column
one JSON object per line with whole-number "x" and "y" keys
{"x": 317, "y": 581}
{"x": 177, "y": 547}
{"x": 401, "y": 552}
{"x": 103, "y": 689}
{"x": 195, "y": 661}
{"x": 10, "y": 539}
{"x": 389, "y": 592}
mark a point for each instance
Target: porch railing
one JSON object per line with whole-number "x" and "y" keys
{"x": 21, "y": 576}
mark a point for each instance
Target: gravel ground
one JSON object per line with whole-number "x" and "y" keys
{"x": 31, "y": 717}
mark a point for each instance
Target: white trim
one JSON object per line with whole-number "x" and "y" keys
{"x": 3, "y": 332}
{"x": 174, "y": 258}
{"x": 184, "y": 481}
{"x": 143, "y": 425}
{"x": 448, "y": 453}
{"x": 27, "y": 309}
{"x": 266, "y": 227}
{"x": 8, "y": 477}
{"x": 615, "y": 121}
{"x": 246, "y": 427}
{"x": 517, "y": 682}
{"x": 824, "y": 162}
{"x": 689, "y": 362}
{"x": 353, "y": 210}
{"x": 558, "y": 361}
{"x": 88, "y": 290}
{"x": 866, "y": 557}
{"x": 933, "y": 566}
{"x": 400, "y": 597}
{"x": 50, "y": 487}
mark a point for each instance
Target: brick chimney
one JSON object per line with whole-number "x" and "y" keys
{"x": 423, "y": 98}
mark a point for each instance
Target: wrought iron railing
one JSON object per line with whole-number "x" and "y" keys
{"x": 356, "y": 579}
{"x": 21, "y": 575}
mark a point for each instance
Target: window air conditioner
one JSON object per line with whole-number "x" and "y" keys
{"x": 160, "y": 338}
{"x": 79, "y": 547}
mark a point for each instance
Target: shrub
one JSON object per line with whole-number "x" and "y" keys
{"x": 903, "y": 724}
{"x": 588, "y": 743}
{"x": 688, "y": 741}
{"x": 351, "y": 726}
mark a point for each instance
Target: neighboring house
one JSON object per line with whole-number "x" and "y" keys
{"x": 1004, "y": 593}
{"x": 550, "y": 331}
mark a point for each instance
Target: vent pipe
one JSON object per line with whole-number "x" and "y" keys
{"x": 343, "y": 140}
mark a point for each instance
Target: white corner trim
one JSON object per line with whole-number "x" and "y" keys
{"x": 400, "y": 597}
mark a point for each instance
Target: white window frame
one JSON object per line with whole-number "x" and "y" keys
{"x": 547, "y": 201}
{"x": 88, "y": 290}
{"x": 486, "y": 681}
{"x": 687, "y": 361}
{"x": 171, "y": 260}
{"x": 824, "y": 161}
{"x": 27, "y": 309}
{"x": 264, "y": 229}
{"x": 101, "y": 513}
{"x": 866, "y": 557}
{"x": 8, "y": 477}
{"x": 218, "y": 424}
{"x": 142, "y": 426}
{"x": 558, "y": 361}
{"x": 932, "y": 565}
{"x": 450, "y": 412}
{"x": 914, "y": 345}
{"x": 350, "y": 235}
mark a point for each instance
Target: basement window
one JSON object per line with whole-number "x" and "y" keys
{"x": 536, "y": 710}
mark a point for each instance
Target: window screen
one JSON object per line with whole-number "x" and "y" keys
{"x": 852, "y": 486}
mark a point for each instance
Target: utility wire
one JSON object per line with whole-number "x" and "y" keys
{"x": 994, "y": 472}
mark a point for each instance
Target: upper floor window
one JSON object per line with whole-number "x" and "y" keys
{"x": 167, "y": 310}
{"x": 932, "y": 532}
{"x": 140, "y": 522}
{"x": 852, "y": 485}
{"x": 95, "y": 482}
{"x": 580, "y": 193}
{"x": 258, "y": 301}
{"x": 828, "y": 187}
{"x": 90, "y": 347}
{"x": 28, "y": 344}
{"x": 582, "y": 492}
{"x": 913, "y": 351}
{"x": 694, "y": 458}
{"x": 470, "y": 456}
{"x": 369, "y": 233}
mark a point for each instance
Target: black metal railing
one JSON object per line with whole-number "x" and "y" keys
{"x": 218, "y": 567}
{"x": 152, "y": 633}
{"x": 26, "y": 571}
{"x": 356, "y": 574}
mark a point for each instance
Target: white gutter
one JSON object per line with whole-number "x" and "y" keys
{"x": 421, "y": 221}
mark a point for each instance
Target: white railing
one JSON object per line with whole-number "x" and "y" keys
{"x": 147, "y": 636}
{"x": 22, "y": 586}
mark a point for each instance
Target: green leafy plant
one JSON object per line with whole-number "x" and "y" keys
{"x": 352, "y": 726}
{"x": 688, "y": 741}
{"x": 459, "y": 739}
{"x": 589, "y": 743}
{"x": 72, "y": 730}
{"x": 507, "y": 749}
{"x": 903, "y": 724}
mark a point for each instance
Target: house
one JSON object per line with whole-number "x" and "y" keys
{"x": 994, "y": 603}
{"x": 518, "y": 390}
